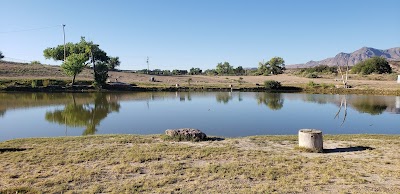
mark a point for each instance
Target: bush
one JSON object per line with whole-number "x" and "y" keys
{"x": 373, "y": 65}
{"x": 312, "y": 75}
{"x": 324, "y": 69}
{"x": 272, "y": 84}
{"x": 35, "y": 63}
{"x": 46, "y": 82}
{"x": 312, "y": 84}
{"x": 36, "y": 83}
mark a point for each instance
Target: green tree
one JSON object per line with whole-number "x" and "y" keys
{"x": 210, "y": 72}
{"x": 224, "y": 69}
{"x": 91, "y": 51}
{"x": 373, "y": 65}
{"x": 1, "y": 55}
{"x": 263, "y": 68}
{"x": 88, "y": 48}
{"x": 195, "y": 71}
{"x": 113, "y": 62}
{"x": 101, "y": 70}
{"x": 240, "y": 71}
{"x": 74, "y": 65}
{"x": 276, "y": 65}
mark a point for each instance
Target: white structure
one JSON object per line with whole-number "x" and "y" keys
{"x": 398, "y": 79}
{"x": 311, "y": 139}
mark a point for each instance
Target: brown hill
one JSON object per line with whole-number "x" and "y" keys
{"x": 355, "y": 57}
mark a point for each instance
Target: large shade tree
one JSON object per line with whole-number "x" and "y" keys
{"x": 275, "y": 65}
{"x": 1, "y": 55}
{"x": 90, "y": 50}
{"x": 224, "y": 69}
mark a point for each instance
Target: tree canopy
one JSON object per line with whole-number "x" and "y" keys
{"x": 224, "y": 69}
{"x": 74, "y": 65}
{"x": 373, "y": 65}
{"x": 195, "y": 71}
{"x": 275, "y": 65}
{"x": 82, "y": 47}
{"x": 113, "y": 62}
{"x": 1, "y": 55}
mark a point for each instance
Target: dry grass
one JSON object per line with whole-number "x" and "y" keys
{"x": 132, "y": 164}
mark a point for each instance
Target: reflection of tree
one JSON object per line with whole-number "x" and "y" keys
{"x": 368, "y": 106}
{"x": 273, "y": 100}
{"x": 223, "y": 97}
{"x": 84, "y": 115}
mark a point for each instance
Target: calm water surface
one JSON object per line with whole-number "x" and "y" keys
{"x": 228, "y": 114}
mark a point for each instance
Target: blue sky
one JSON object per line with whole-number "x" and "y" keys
{"x": 180, "y": 34}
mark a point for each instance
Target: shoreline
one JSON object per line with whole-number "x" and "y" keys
{"x": 128, "y": 88}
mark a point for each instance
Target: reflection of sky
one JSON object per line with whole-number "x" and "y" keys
{"x": 234, "y": 118}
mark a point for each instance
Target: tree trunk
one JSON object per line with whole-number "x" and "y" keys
{"x": 73, "y": 79}
{"x": 311, "y": 139}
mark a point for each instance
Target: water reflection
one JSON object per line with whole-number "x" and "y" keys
{"x": 274, "y": 101}
{"x": 223, "y": 97}
{"x": 231, "y": 113}
{"x": 88, "y": 115}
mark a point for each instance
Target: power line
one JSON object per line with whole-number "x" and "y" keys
{"x": 31, "y": 29}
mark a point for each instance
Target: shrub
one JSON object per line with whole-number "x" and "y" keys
{"x": 35, "y": 63}
{"x": 272, "y": 84}
{"x": 312, "y": 75}
{"x": 373, "y": 65}
{"x": 312, "y": 84}
{"x": 36, "y": 83}
{"x": 46, "y": 82}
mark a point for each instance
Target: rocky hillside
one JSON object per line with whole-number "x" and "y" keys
{"x": 355, "y": 57}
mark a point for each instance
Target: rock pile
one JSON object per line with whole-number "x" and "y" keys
{"x": 186, "y": 134}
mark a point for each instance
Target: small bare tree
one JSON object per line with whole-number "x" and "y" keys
{"x": 345, "y": 76}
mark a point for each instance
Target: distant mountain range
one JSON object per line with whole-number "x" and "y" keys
{"x": 353, "y": 58}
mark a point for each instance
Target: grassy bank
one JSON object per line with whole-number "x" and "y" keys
{"x": 54, "y": 85}
{"x": 130, "y": 163}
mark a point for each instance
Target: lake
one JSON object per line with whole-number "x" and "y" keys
{"x": 227, "y": 114}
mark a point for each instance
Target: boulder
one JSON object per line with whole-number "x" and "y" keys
{"x": 187, "y": 134}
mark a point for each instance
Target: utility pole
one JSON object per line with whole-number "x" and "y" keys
{"x": 65, "y": 55}
{"x": 148, "y": 67}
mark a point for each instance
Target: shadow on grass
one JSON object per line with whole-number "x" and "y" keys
{"x": 348, "y": 149}
{"x": 2, "y": 150}
{"x": 215, "y": 139}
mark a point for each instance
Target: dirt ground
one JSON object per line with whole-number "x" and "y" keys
{"x": 27, "y": 71}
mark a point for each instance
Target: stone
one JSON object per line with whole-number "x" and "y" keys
{"x": 187, "y": 133}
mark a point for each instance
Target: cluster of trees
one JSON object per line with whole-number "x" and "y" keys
{"x": 81, "y": 54}
{"x": 1, "y": 55}
{"x": 373, "y": 65}
{"x": 274, "y": 66}
{"x": 163, "y": 72}
{"x": 225, "y": 69}
{"x": 314, "y": 72}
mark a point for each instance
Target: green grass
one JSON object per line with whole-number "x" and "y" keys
{"x": 132, "y": 163}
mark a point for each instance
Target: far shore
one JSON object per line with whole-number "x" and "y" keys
{"x": 45, "y": 78}
{"x": 153, "y": 163}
